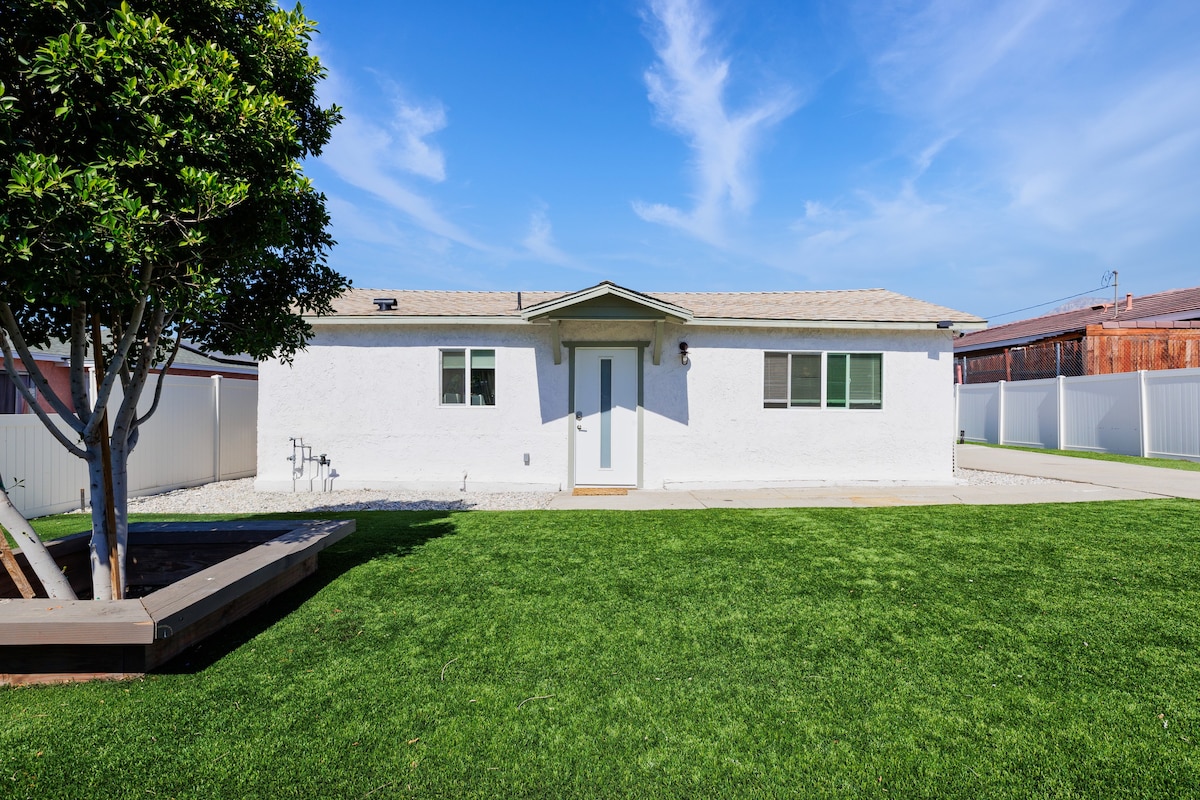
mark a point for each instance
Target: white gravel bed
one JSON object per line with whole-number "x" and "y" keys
{"x": 979, "y": 477}
{"x": 239, "y": 497}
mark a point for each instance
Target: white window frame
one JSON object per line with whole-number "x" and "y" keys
{"x": 775, "y": 403}
{"x": 466, "y": 401}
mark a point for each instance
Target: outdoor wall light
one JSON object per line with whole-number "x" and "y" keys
{"x": 683, "y": 354}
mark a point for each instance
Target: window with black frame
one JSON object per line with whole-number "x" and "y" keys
{"x": 11, "y": 399}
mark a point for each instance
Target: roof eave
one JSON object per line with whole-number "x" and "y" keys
{"x": 548, "y": 307}
{"x": 389, "y": 319}
{"x": 840, "y": 324}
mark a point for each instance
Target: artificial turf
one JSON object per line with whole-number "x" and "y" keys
{"x": 990, "y": 651}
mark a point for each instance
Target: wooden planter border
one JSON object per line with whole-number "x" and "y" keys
{"x": 47, "y": 641}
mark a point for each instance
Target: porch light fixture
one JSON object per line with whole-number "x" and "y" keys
{"x": 683, "y": 354}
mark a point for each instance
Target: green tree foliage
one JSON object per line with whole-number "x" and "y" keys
{"x": 150, "y": 168}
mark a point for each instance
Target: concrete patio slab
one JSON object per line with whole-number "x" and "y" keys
{"x": 1086, "y": 481}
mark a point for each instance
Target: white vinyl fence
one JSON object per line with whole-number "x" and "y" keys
{"x": 1149, "y": 413}
{"x": 203, "y": 431}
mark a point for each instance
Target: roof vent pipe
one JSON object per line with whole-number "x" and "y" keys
{"x": 1129, "y": 301}
{"x": 518, "y": 301}
{"x": 384, "y": 303}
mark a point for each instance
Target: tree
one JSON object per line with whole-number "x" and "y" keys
{"x": 153, "y": 193}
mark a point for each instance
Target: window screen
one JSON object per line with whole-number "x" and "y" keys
{"x": 854, "y": 380}
{"x": 849, "y": 380}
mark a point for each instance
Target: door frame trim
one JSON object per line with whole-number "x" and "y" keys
{"x": 641, "y": 368}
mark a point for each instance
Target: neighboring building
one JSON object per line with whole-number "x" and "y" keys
{"x": 1157, "y": 331}
{"x": 54, "y": 365}
{"x": 612, "y": 387}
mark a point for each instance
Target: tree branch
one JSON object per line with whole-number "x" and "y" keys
{"x": 11, "y": 367}
{"x": 8, "y": 324}
{"x": 127, "y": 417}
{"x": 122, "y": 350}
{"x": 79, "y": 386}
{"x": 162, "y": 375}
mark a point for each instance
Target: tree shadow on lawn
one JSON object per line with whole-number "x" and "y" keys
{"x": 394, "y": 534}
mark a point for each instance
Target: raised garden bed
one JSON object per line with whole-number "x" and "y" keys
{"x": 191, "y": 578}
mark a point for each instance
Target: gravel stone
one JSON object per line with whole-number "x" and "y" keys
{"x": 239, "y": 497}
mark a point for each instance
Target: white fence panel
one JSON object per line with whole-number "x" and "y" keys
{"x": 238, "y": 451}
{"x": 1031, "y": 413}
{"x": 41, "y": 476}
{"x": 1153, "y": 413}
{"x": 175, "y": 448}
{"x": 181, "y": 445}
{"x": 1103, "y": 414}
{"x": 979, "y": 411}
{"x": 1173, "y": 413}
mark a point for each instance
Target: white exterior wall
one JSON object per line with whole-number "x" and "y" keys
{"x": 716, "y": 433}
{"x": 368, "y": 397}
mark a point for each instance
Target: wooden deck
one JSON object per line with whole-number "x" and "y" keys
{"x": 45, "y": 640}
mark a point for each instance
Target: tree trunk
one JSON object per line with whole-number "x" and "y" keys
{"x": 98, "y": 548}
{"x": 40, "y": 560}
{"x": 13, "y": 567}
{"x": 120, "y": 485}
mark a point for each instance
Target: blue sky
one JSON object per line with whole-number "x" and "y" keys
{"x": 985, "y": 156}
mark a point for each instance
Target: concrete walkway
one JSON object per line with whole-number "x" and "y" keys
{"x": 1090, "y": 481}
{"x": 1153, "y": 481}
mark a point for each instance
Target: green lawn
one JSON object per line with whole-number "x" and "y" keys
{"x": 1169, "y": 463}
{"x": 973, "y": 652}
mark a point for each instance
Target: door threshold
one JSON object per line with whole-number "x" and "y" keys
{"x": 584, "y": 491}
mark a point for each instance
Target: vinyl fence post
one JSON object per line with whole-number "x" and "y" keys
{"x": 1000, "y": 413}
{"x": 1060, "y": 413}
{"x": 216, "y": 382}
{"x": 1144, "y": 409}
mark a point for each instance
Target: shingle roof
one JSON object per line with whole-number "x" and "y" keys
{"x": 1176, "y": 304}
{"x": 858, "y": 305}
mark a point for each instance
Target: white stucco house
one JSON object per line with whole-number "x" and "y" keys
{"x": 609, "y": 387}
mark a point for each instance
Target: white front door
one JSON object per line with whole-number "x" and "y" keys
{"x": 605, "y": 417}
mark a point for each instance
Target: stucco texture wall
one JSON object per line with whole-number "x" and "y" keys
{"x": 368, "y": 396}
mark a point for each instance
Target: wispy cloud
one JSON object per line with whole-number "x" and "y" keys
{"x": 1038, "y": 141}
{"x": 411, "y": 124}
{"x": 539, "y": 242}
{"x": 361, "y": 153}
{"x": 688, "y": 86}
{"x": 382, "y": 156}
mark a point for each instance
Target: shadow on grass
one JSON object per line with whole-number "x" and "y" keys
{"x": 391, "y": 534}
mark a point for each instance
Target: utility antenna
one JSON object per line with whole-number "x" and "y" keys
{"x": 1110, "y": 278}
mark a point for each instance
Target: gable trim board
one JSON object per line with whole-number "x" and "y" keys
{"x": 366, "y": 391}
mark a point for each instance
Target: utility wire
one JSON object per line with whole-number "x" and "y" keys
{"x": 1048, "y": 302}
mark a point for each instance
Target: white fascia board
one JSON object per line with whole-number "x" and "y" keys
{"x": 343, "y": 319}
{"x": 725, "y": 322}
{"x": 212, "y": 370}
{"x": 735, "y": 322}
